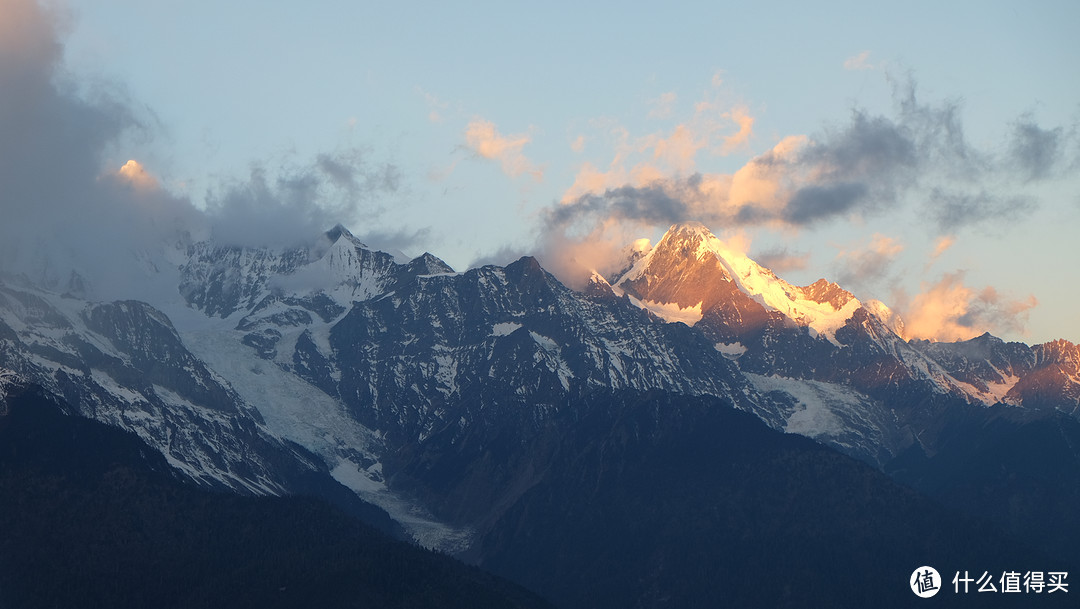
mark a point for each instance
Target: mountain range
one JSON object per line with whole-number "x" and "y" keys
{"x": 672, "y": 434}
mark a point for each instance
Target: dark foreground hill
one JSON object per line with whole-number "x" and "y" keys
{"x": 92, "y": 517}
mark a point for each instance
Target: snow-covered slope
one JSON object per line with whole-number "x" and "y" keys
{"x": 691, "y": 269}
{"x": 124, "y": 364}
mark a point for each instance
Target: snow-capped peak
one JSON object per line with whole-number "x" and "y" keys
{"x": 691, "y": 267}
{"x": 331, "y": 239}
{"x": 340, "y": 232}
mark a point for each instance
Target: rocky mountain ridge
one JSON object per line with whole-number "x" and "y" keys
{"x": 271, "y": 366}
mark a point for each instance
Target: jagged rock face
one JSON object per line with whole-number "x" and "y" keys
{"x": 819, "y": 332}
{"x": 1045, "y": 376}
{"x": 154, "y": 351}
{"x": 517, "y": 335}
{"x": 223, "y": 280}
{"x": 1060, "y": 353}
{"x": 598, "y": 287}
{"x": 986, "y": 363}
{"x": 1054, "y": 380}
{"x": 824, "y": 291}
{"x": 822, "y": 332}
{"x": 372, "y": 362}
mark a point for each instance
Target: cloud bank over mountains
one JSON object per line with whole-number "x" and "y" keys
{"x": 917, "y": 158}
{"x": 71, "y": 200}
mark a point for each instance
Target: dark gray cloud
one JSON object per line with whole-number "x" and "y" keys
{"x": 937, "y": 134}
{"x": 814, "y": 203}
{"x": 350, "y": 171}
{"x": 654, "y": 203}
{"x": 869, "y": 146}
{"x": 290, "y": 205}
{"x": 953, "y": 210}
{"x": 1038, "y": 153}
{"x": 868, "y": 165}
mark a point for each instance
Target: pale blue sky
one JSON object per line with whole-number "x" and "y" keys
{"x": 225, "y": 85}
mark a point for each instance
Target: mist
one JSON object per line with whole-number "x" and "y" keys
{"x": 72, "y": 220}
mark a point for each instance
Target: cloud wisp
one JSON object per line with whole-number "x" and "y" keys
{"x": 859, "y": 61}
{"x": 483, "y": 138}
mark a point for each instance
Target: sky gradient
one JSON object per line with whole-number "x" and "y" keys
{"x": 926, "y": 156}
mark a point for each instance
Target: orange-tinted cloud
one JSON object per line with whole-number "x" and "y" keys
{"x": 764, "y": 181}
{"x": 678, "y": 150}
{"x": 761, "y": 183}
{"x": 603, "y": 210}
{"x": 135, "y": 174}
{"x": 590, "y": 179}
{"x": 741, "y": 117}
{"x": 950, "y": 310}
{"x": 656, "y": 157}
{"x": 573, "y": 256}
{"x": 482, "y": 137}
{"x": 942, "y": 244}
